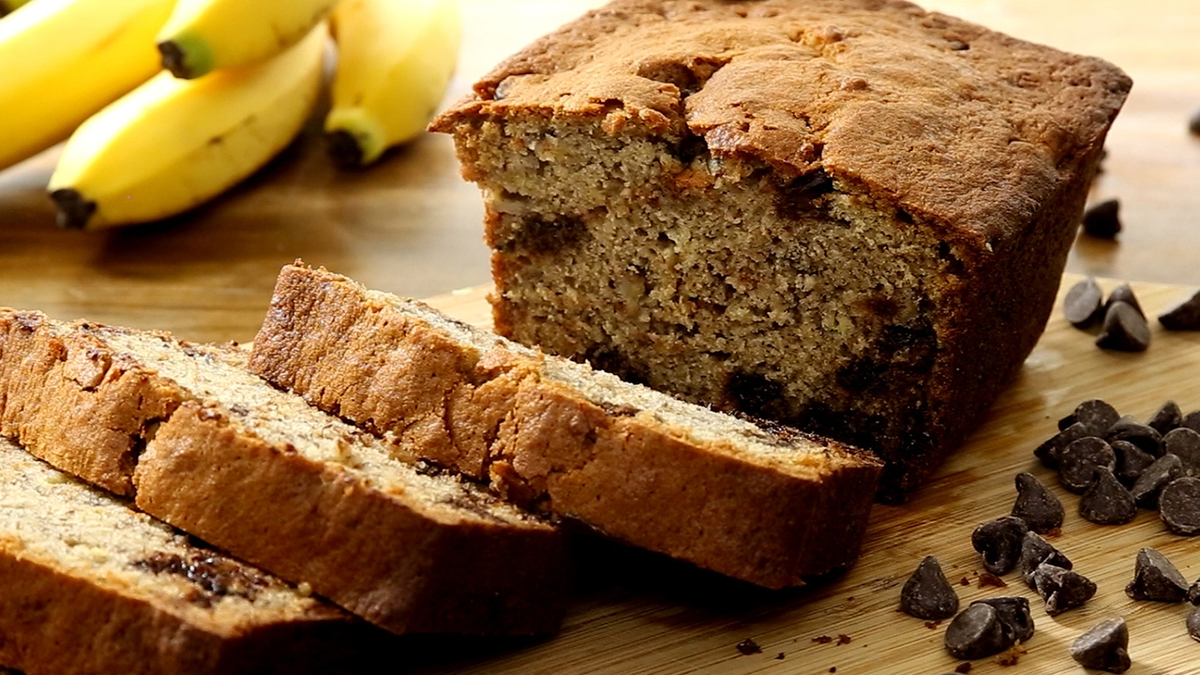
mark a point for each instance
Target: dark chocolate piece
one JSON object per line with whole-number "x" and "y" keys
{"x": 1050, "y": 450}
{"x": 977, "y": 632}
{"x": 927, "y": 594}
{"x": 1095, "y": 414}
{"x": 1083, "y": 306}
{"x": 1193, "y": 593}
{"x": 748, "y": 647}
{"x": 1036, "y": 505}
{"x": 1124, "y": 330}
{"x": 999, "y": 543}
{"x": 1179, "y": 506}
{"x": 1144, "y": 436}
{"x": 1193, "y": 624}
{"x": 1184, "y": 443}
{"x": 1107, "y": 502}
{"x": 1184, "y": 316}
{"x": 1132, "y": 461}
{"x": 1166, "y": 418}
{"x": 1104, "y": 646}
{"x": 1158, "y": 475}
{"x": 1191, "y": 420}
{"x": 1103, "y": 220}
{"x": 1014, "y": 611}
{"x": 1078, "y": 462}
{"x": 1124, "y": 293}
{"x": 1156, "y": 578}
{"x": 1062, "y": 589}
{"x": 1036, "y": 551}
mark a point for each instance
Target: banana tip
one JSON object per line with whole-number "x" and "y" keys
{"x": 174, "y": 59}
{"x": 344, "y": 149}
{"x": 74, "y": 210}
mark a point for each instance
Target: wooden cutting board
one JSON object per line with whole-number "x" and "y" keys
{"x": 635, "y": 613}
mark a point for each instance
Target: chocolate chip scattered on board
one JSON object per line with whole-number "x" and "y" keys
{"x": 1036, "y": 505}
{"x": 1132, "y": 461}
{"x": 1129, "y": 429}
{"x": 927, "y": 594}
{"x": 1193, "y": 624}
{"x": 1179, "y": 506}
{"x": 1147, "y": 488}
{"x": 1167, "y": 417}
{"x": 977, "y": 632}
{"x": 1104, "y": 646}
{"x": 1078, "y": 462}
{"x": 748, "y": 647}
{"x": 1106, "y": 501}
{"x": 1096, "y": 414}
{"x": 1062, "y": 589}
{"x": 1050, "y": 451}
{"x": 1124, "y": 293}
{"x": 999, "y": 543}
{"x": 1184, "y": 316}
{"x": 1036, "y": 551}
{"x": 1014, "y": 611}
{"x": 1184, "y": 443}
{"x": 1083, "y": 306}
{"x": 1156, "y": 578}
{"x": 1103, "y": 219}
{"x": 1124, "y": 329}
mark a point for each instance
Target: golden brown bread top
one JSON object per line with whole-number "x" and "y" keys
{"x": 956, "y": 124}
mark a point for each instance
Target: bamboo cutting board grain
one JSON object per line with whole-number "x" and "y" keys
{"x": 637, "y": 614}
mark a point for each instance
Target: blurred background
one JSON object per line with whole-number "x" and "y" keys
{"x": 411, "y": 226}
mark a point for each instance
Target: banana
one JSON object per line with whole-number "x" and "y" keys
{"x": 7, "y": 6}
{"x": 172, "y": 144}
{"x": 395, "y": 60}
{"x": 62, "y": 60}
{"x": 204, "y": 35}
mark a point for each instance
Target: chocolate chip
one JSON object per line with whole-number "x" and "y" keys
{"x": 1144, "y": 436}
{"x": 977, "y": 632}
{"x": 1156, "y": 578}
{"x": 1184, "y": 444}
{"x": 1036, "y": 505}
{"x": 1014, "y": 611}
{"x": 748, "y": 647}
{"x": 1124, "y": 329}
{"x": 1036, "y": 551}
{"x": 999, "y": 543}
{"x": 1184, "y": 316}
{"x": 927, "y": 594}
{"x": 1166, "y": 418}
{"x": 1078, "y": 462}
{"x": 1149, "y": 485}
{"x": 1193, "y": 593}
{"x": 1049, "y": 451}
{"x": 1193, "y": 624}
{"x": 1107, "y": 502}
{"x": 1095, "y": 414}
{"x": 1191, "y": 420}
{"x": 1083, "y": 305}
{"x": 1103, "y": 220}
{"x": 1062, "y": 589}
{"x": 1131, "y": 461}
{"x": 1124, "y": 293}
{"x": 1179, "y": 506}
{"x": 1104, "y": 646}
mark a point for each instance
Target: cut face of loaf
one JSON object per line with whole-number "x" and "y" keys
{"x": 223, "y": 455}
{"x": 765, "y": 505}
{"x": 847, "y": 215}
{"x": 88, "y": 585}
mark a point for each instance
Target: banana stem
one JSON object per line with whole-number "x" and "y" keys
{"x": 74, "y": 210}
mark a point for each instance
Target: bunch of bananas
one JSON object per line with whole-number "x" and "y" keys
{"x": 167, "y": 103}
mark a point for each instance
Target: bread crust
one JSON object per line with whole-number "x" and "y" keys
{"x": 547, "y": 445}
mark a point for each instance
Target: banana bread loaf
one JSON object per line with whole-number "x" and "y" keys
{"x": 88, "y": 585}
{"x": 221, "y": 454}
{"x": 847, "y": 215}
{"x": 763, "y": 504}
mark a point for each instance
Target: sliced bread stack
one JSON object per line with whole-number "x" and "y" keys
{"x": 758, "y": 502}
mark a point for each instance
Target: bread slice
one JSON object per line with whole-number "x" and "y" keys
{"x": 850, "y": 216}
{"x": 219, "y": 453}
{"x": 88, "y": 585}
{"x": 759, "y": 503}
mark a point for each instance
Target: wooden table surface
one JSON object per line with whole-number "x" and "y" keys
{"x": 410, "y": 225}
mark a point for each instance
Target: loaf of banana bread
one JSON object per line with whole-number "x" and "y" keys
{"x": 221, "y": 454}
{"x": 88, "y": 585}
{"x": 846, "y": 215}
{"x": 763, "y": 504}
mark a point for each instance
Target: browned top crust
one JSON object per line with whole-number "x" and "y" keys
{"x": 956, "y": 124}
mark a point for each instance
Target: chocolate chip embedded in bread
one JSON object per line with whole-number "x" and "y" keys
{"x": 1124, "y": 329}
{"x": 1103, "y": 219}
{"x": 1156, "y": 578}
{"x": 999, "y": 543}
{"x": 1104, "y": 646}
{"x": 1035, "y": 552}
{"x": 1184, "y": 316}
{"x": 1149, "y": 485}
{"x": 1014, "y": 611}
{"x": 1036, "y": 505}
{"x": 1062, "y": 589}
{"x": 1107, "y": 502}
{"x": 1179, "y": 506}
{"x": 977, "y": 632}
{"x": 1084, "y": 303}
{"x": 927, "y": 594}
{"x": 1078, "y": 462}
